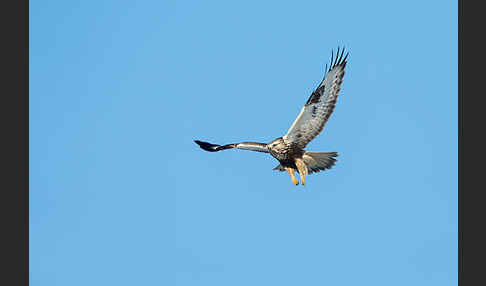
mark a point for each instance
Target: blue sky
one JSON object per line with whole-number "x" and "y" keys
{"x": 121, "y": 195}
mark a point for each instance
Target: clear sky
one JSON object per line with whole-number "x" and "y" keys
{"x": 121, "y": 195}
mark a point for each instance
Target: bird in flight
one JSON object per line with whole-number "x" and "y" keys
{"x": 289, "y": 149}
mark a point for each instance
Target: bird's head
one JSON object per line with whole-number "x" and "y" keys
{"x": 274, "y": 145}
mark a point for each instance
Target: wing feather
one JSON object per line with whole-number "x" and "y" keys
{"x": 252, "y": 146}
{"x": 320, "y": 105}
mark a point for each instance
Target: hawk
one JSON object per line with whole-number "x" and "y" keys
{"x": 289, "y": 149}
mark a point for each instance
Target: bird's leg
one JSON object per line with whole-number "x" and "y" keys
{"x": 292, "y": 176}
{"x": 302, "y": 169}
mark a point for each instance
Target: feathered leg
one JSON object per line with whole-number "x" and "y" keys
{"x": 302, "y": 169}
{"x": 292, "y": 176}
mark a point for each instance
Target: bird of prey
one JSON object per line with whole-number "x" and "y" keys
{"x": 289, "y": 149}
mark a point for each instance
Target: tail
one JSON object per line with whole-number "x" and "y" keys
{"x": 319, "y": 161}
{"x": 316, "y": 161}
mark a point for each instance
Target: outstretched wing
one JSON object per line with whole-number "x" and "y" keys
{"x": 320, "y": 105}
{"x": 252, "y": 146}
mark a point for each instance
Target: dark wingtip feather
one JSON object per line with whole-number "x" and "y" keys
{"x": 332, "y": 59}
{"x": 207, "y": 146}
{"x": 336, "y": 61}
{"x": 340, "y": 59}
{"x": 346, "y": 57}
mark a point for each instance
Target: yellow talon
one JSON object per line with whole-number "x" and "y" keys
{"x": 292, "y": 176}
{"x": 295, "y": 181}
